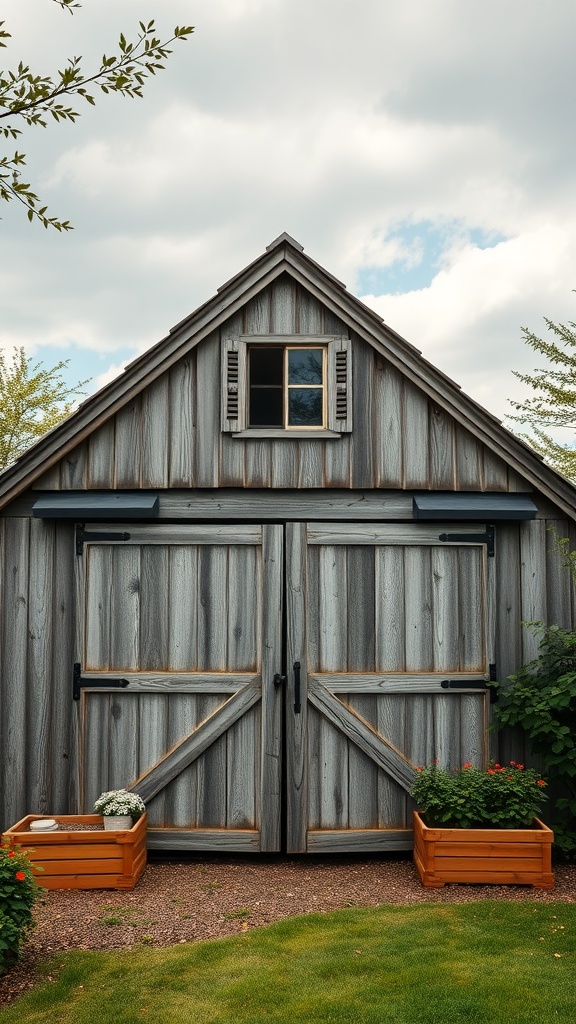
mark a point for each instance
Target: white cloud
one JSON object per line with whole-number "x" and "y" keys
{"x": 347, "y": 125}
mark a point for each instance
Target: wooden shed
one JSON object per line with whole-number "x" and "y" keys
{"x": 266, "y": 572}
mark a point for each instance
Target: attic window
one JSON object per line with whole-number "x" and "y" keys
{"x": 286, "y": 386}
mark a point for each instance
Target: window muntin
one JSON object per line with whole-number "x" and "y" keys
{"x": 287, "y": 387}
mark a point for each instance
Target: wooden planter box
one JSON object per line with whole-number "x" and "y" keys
{"x": 83, "y": 859}
{"x": 502, "y": 856}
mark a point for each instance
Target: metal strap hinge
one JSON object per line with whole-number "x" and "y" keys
{"x": 486, "y": 538}
{"x": 82, "y": 536}
{"x": 79, "y": 682}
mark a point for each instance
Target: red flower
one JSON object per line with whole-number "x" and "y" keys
{"x": 513, "y": 763}
{"x": 520, "y": 767}
{"x": 11, "y": 854}
{"x": 541, "y": 782}
{"x": 497, "y": 765}
{"x": 20, "y": 876}
{"x": 467, "y": 765}
{"x": 509, "y": 777}
{"x": 419, "y": 768}
{"x": 491, "y": 771}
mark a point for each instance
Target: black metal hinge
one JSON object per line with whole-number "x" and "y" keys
{"x": 82, "y": 536}
{"x": 79, "y": 682}
{"x": 486, "y": 538}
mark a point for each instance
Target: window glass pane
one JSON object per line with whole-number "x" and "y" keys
{"x": 266, "y": 407}
{"x": 304, "y": 366}
{"x": 266, "y": 365}
{"x": 305, "y": 407}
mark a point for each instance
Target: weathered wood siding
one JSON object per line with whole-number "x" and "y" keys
{"x": 38, "y": 623}
{"x": 170, "y": 436}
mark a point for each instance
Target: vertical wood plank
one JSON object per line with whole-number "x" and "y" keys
{"x": 390, "y": 654}
{"x": 242, "y": 772}
{"x": 154, "y": 581}
{"x": 182, "y": 448}
{"x": 183, "y": 609}
{"x": 124, "y": 732}
{"x": 244, "y": 608}
{"x": 271, "y": 598}
{"x": 417, "y": 574}
{"x": 101, "y": 461}
{"x": 40, "y": 751}
{"x": 416, "y": 437}
{"x": 446, "y": 601}
{"x": 333, "y": 634}
{"x": 208, "y": 385}
{"x": 157, "y": 433}
{"x": 152, "y": 745}
{"x": 392, "y": 800}
{"x": 387, "y": 438}
{"x": 182, "y": 793}
{"x": 296, "y": 724}
{"x": 509, "y": 600}
{"x": 97, "y": 611}
{"x": 211, "y": 773}
{"x": 533, "y": 581}
{"x": 441, "y": 428}
{"x": 64, "y": 614}
{"x": 74, "y": 469}
{"x": 471, "y": 611}
{"x": 495, "y": 472}
{"x": 128, "y": 445}
{"x": 469, "y": 476}
{"x": 96, "y": 748}
{"x": 122, "y": 572}
{"x": 213, "y": 595}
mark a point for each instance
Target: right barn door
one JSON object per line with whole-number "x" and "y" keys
{"x": 389, "y": 646}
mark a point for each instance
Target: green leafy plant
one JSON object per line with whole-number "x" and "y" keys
{"x": 540, "y": 698}
{"x": 500, "y": 796}
{"x": 18, "y": 894}
{"x": 33, "y": 100}
{"x": 119, "y": 801}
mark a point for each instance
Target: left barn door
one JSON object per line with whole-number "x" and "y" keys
{"x": 190, "y": 617}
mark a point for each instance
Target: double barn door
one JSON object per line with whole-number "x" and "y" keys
{"x": 270, "y": 687}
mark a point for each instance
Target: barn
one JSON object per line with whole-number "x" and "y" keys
{"x": 266, "y": 572}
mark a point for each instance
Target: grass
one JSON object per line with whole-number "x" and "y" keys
{"x": 477, "y": 963}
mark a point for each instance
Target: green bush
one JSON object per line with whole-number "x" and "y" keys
{"x": 501, "y": 796}
{"x": 18, "y": 894}
{"x": 540, "y": 698}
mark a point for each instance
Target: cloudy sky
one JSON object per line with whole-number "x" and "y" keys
{"x": 423, "y": 151}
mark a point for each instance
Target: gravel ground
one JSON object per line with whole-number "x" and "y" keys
{"x": 197, "y": 898}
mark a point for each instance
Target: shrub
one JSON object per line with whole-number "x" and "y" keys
{"x": 540, "y": 698}
{"x": 500, "y": 796}
{"x": 18, "y": 893}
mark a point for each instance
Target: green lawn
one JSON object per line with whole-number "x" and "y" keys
{"x": 479, "y": 963}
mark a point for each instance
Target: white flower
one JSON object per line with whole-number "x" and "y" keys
{"x": 119, "y": 801}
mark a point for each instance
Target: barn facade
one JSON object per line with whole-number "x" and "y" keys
{"x": 266, "y": 572}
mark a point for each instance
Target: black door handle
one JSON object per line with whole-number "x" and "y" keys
{"x": 297, "y": 703}
{"x": 279, "y": 680}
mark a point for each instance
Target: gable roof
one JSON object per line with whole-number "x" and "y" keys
{"x": 286, "y": 256}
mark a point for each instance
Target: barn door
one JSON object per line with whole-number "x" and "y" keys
{"x": 384, "y": 621}
{"x": 187, "y": 619}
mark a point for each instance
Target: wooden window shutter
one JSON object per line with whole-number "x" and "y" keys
{"x": 340, "y": 385}
{"x": 233, "y": 384}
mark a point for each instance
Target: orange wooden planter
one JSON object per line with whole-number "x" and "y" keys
{"x": 505, "y": 856}
{"x": 83, "y": 860}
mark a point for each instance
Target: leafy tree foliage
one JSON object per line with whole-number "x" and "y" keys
{"x": 540, "y": 698}
{"x": 554, "y": 404}
{"x": 32, "y": 401}
{"x": 36, "y": 99}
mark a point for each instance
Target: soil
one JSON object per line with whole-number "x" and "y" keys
{"x": 206, "y": 897}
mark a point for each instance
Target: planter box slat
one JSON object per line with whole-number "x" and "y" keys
{"x": 83, "y": 859}
{"x": 499, "y": 856}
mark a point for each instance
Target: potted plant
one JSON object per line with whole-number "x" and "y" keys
{"x": 481, "y": 825}
{"x": 118, "y": 808}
